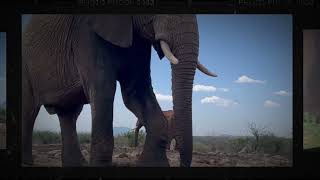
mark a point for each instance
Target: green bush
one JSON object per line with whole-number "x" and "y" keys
{"x": 2, "y": 111}
{"x": 84, "y": 138}
{"x": 2, "y": 115}
{"x": 239, "y": 143}
{"x": 46, "y": 137}
{"x": 201, "y": 147}
{"x": 141, "y": 138}
{"x": 49, "y": 137}
{"x": 268, "y": 143}
{"x": 129, "y": 138}
{"x": 120, "y": 141}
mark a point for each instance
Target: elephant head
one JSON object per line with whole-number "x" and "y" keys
{"x": 177, "y": 38}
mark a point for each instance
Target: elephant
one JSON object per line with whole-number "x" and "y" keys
{"x": 311, "y": 73}
{"x": 169, "y": 115}
{"x": 72, "y": 60}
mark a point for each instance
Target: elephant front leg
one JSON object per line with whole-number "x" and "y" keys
{"x": 97, "y": 71}
{"x": 143, "y": 103}
{"x": 102, "y": 141}
{"x": 154, "y": 150}
{"x": 99, "y": 85}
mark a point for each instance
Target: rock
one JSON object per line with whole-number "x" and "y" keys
{"x": 244, "y": 150}
{"x": 123, "y": 155}
{"x": 54, "y": 152}
{"x": 205, "y": 161}
{"x": 173, "y": 145}
{"x": 85, "y": 153}
{"x": 212, "y": 153}
{"x": 57, "y": 156}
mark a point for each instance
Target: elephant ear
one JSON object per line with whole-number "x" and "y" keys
{"x": 157, "y": 47}
{"x": 116, "y": 29}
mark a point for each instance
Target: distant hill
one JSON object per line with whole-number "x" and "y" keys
{"x": 120, "y": 130}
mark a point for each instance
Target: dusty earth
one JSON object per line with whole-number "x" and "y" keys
{"x": 3, "y": 135}
{"x": 50, "y": 155}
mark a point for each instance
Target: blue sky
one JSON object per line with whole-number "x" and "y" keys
{"x": 2, "y": 67}
{"x": 252, "y": 55}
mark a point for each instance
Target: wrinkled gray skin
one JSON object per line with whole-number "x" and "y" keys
{"x": 311, "y": 73}
{"x": 169, "y": 116}
{"x": 70, "y": 60}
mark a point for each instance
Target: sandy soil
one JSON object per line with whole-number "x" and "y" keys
{"x": 3, "y": 135}
{"x": 50, "y": 155}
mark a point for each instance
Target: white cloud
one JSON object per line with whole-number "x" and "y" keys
{"x": 223, "y": 89}
{"x": 205, "y": 88}
{"x": 246, "y": 79}
{"x": 199, "y": 87}
{"x": 161, "y": 97}
{"x": 270, "y": 104}
{"x": 282, "y": 93}
{"x": 218, "y": 101}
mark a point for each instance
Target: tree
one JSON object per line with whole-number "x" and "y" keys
{"x": 257, "y": 133}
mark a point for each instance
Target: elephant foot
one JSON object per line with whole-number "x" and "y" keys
{"x": 73, "y": 159}
{"x": 151, "y": 164}
{"x": 152, "y": 160}
{"x": 27, "y": 160}
{"x": 70, "y": 163}
{"x": 100, "y": 163}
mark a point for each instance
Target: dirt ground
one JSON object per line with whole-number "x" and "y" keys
{"x": 3, "y": 135}
{"x": 50, "y": 156}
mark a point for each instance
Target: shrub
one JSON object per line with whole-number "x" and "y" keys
{"x": 239, "y": 143}
{"x": 128, "y": 138}
{"x": 46, "y": 137}
{"x": 141, "y": 138}
{"x": 2, "y": 115}
{"x": 201, "y": 147}
{"x": 49, "y": 137}
{"x": 84, "y": 138}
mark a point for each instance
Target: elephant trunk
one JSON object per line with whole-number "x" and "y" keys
{"x": 181, "y": 36}
{"x": 182, "y": 84}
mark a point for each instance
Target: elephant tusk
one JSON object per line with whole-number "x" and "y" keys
{"x": 203, "y": 69}
{"x": 167, "y": 52}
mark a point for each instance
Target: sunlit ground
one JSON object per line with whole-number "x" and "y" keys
{"x": 2, "y": 128}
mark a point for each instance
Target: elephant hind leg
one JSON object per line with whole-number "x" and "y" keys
{"x": 29, "y": 115}
{"x": 71, "y": 154}
{"x": 30, "y": 110}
